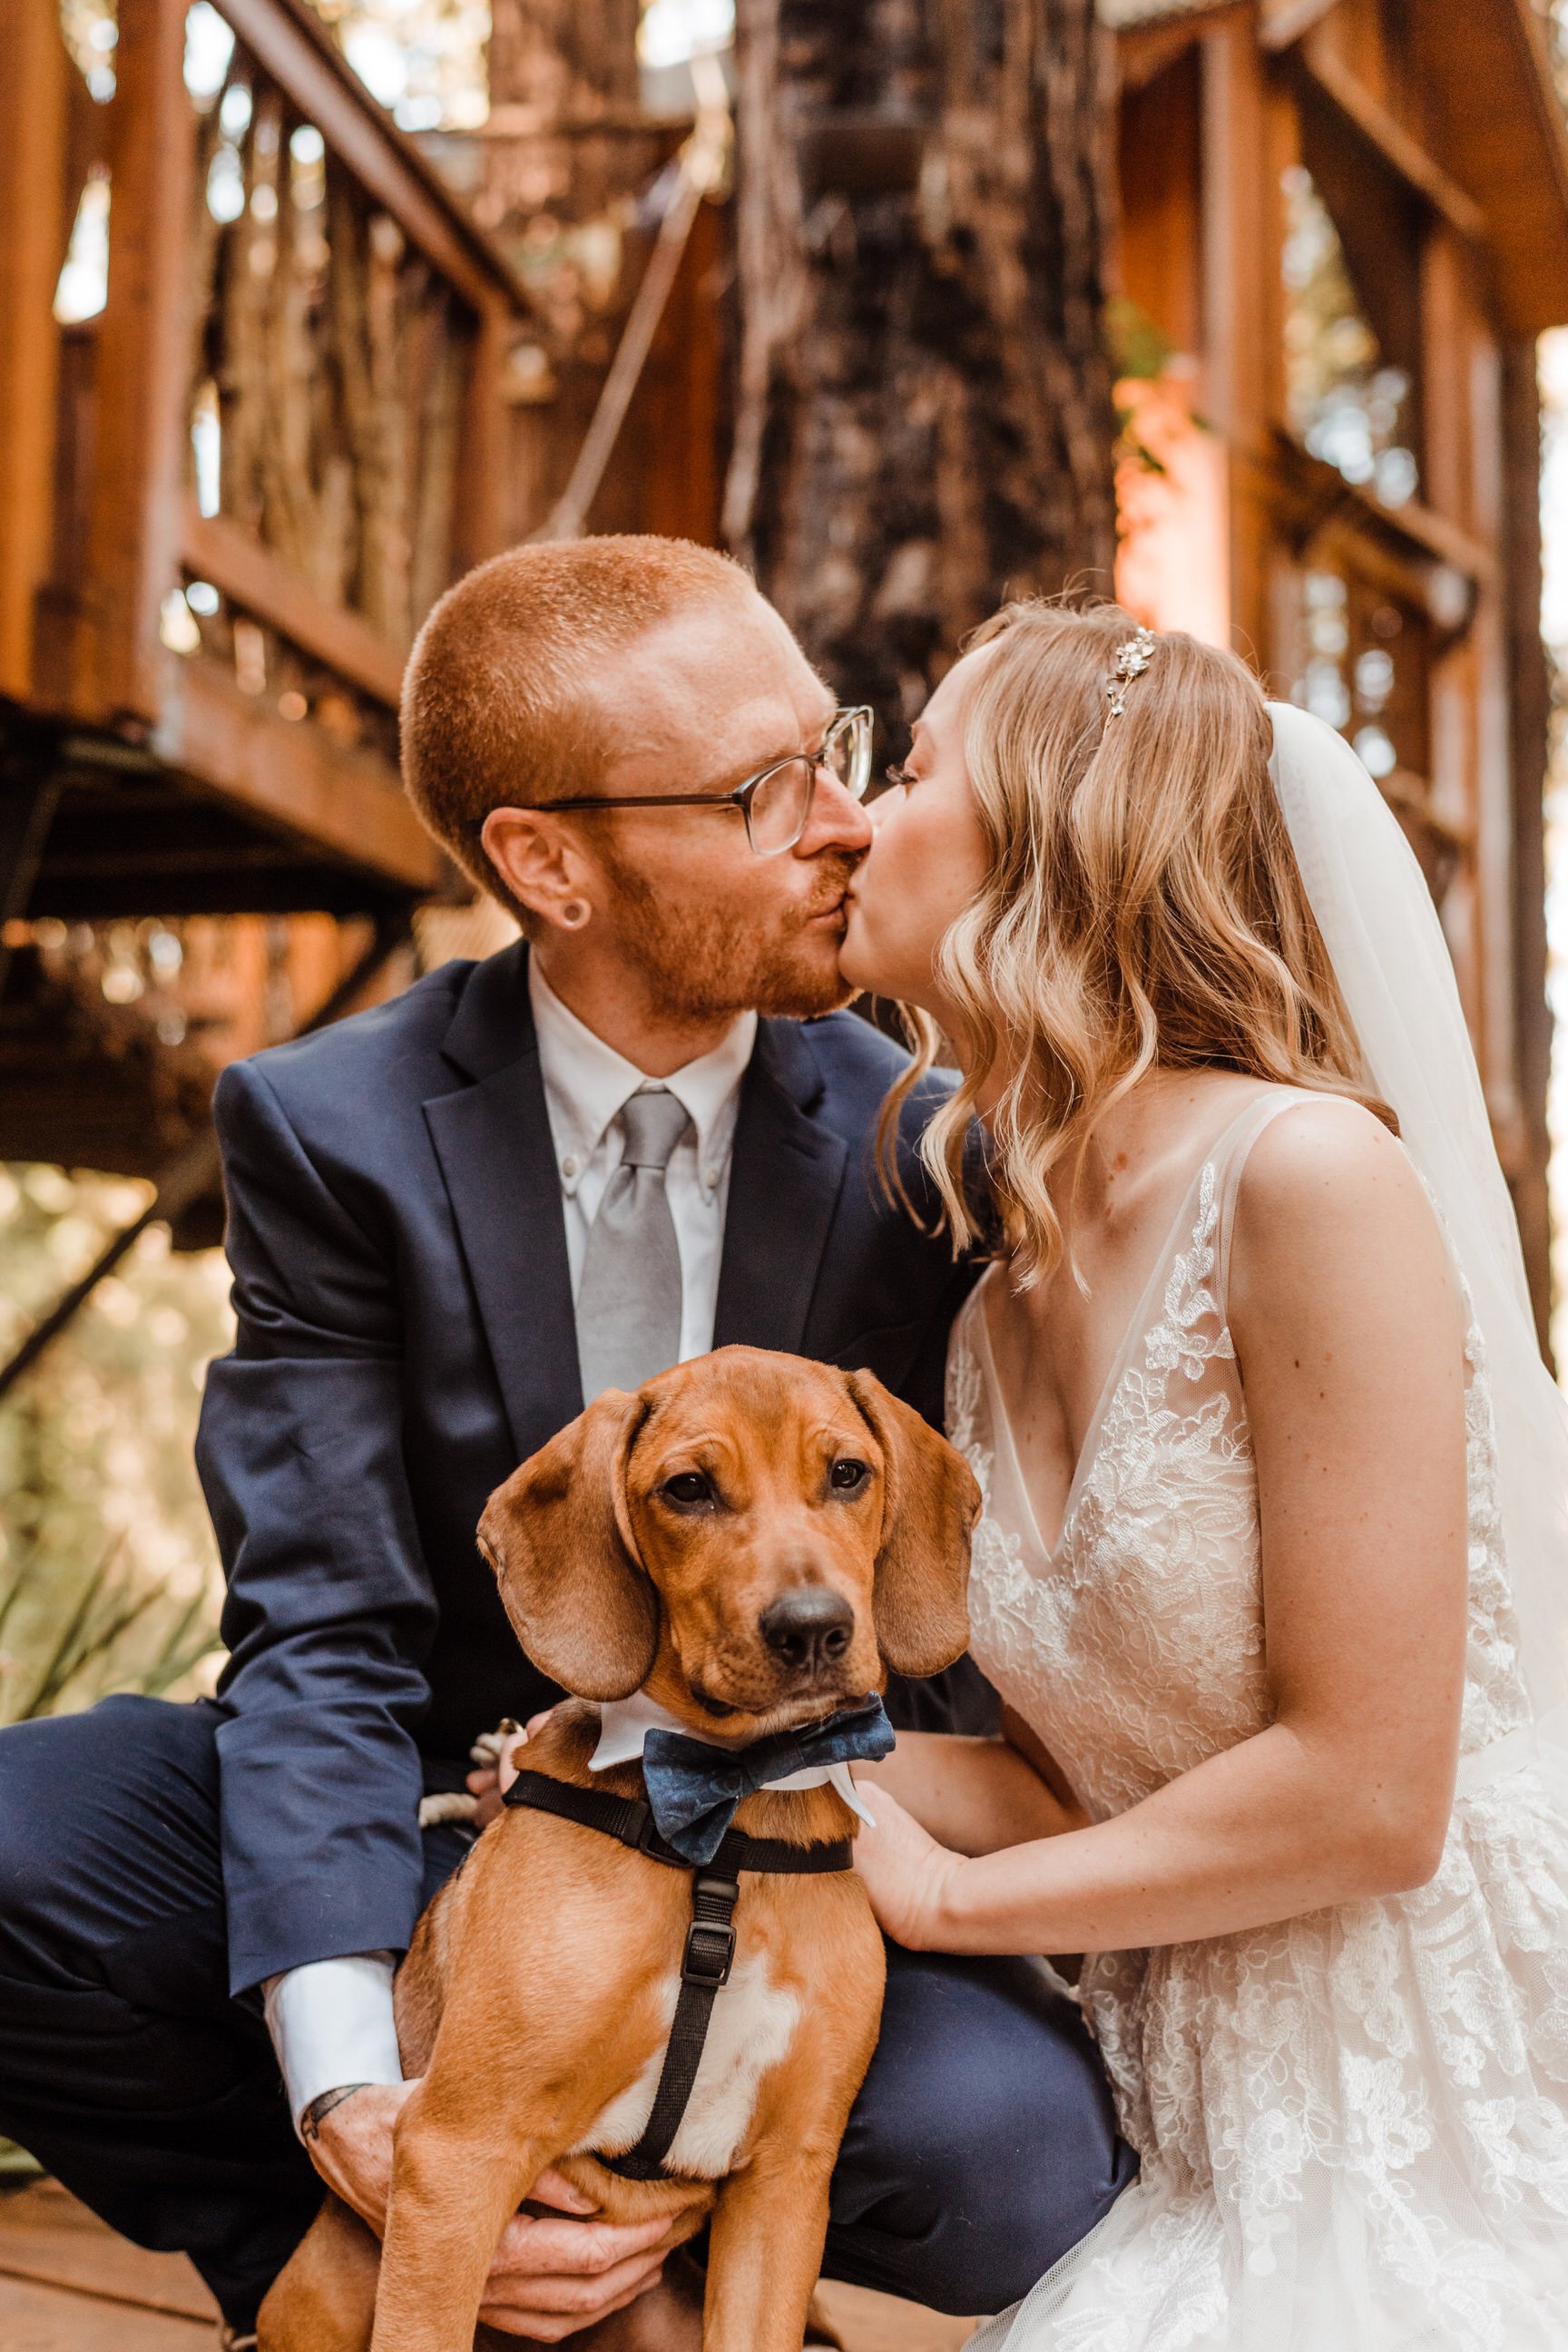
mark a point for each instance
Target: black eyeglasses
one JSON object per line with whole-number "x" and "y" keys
{"x": 776, "y": 801}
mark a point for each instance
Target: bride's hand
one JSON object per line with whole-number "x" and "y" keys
{"x": 906, "y": 1874}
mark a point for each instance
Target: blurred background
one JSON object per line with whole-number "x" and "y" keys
{"x": 1256, "y": 310}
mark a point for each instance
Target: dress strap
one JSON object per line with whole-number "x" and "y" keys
{"x": 1228, "y": 1159}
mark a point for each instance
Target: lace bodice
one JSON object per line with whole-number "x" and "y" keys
{"x": 1354, "y": 2124}
{"x": 1134, "y": 1644}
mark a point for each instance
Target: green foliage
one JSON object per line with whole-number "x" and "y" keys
{"x": 1140, "y": 352}
{"x": 1137, "y": 347}
{"x": 108, "y": 1577}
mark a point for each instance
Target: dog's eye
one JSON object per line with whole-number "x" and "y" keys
{"x": 688, "y": 1486}
{"x": 847, "y": 1475}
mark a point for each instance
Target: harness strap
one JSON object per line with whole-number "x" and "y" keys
{"x": 710, "y": 1952}
{"x": 630, "y": 1820}
{"x": 705, "y": 1965}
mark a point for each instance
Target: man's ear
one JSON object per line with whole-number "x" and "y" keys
{"x": 559, "y": 1540}
{"x": 929, "y": 1505}
{"x": 542, "y": 864}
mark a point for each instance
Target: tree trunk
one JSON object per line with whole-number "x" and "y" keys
{"x": 924, "y": 420}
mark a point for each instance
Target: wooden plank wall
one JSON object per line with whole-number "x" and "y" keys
{"x": 1368, "y": 96}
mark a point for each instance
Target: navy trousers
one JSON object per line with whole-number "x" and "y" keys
{"x": 982, "y": 2146}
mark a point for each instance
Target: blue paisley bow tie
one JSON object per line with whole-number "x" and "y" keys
{"x": 694, "y": 1788}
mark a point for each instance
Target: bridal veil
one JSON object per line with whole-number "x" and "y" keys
{"x": 1392, "y": 961}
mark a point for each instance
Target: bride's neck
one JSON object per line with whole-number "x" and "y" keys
{"x": 1155, "y": 1123}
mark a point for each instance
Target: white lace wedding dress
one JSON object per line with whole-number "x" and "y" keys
{"x": 1353, "y": 2127}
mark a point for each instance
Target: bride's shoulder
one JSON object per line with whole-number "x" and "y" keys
{"x": 1326, "y": 1185}
{"x": 1321, "y": 1137}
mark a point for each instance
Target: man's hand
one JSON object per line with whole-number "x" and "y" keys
{"x": 487, "y": 1781}
{"x": 550, "y": 2276}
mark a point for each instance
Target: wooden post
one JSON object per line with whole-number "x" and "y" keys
{"x": 33, "y": 88}
{"x": 1529, "y": 703}
{"x": 1241, "y": 215}
{"x": 483, "y": 519}
{"x": 143, "y": 355}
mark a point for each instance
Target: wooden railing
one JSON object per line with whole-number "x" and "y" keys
{"x": 279, "y": 439}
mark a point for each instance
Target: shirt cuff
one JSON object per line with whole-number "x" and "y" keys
{"x": 332, "y": 2023}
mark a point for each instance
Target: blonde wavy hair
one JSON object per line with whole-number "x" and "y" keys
{"x": 1143, "y": 908}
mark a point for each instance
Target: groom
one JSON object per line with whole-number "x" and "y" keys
{"x": 644, "y": 1131}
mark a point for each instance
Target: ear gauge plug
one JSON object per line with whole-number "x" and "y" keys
{"x": 573, "y": 914}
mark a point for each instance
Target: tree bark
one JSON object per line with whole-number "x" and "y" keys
{"x": 924, "y": 419}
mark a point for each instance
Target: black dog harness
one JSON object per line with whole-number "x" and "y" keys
{"x": 710, "y": 1950}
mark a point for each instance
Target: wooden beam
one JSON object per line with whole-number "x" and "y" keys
{"x": 289, "y": 43}
{"x": 214, "y": 549}
{"x": 1143, "y": 50}
{"x": 1405, "y": 546}
{"x": 1383, "y": 132}
{"x": 143, "y": 357}
{"x": 32, "y": 148}
{"x": 1281, "y": 23}
{"x": 290, "y": 774}
{"x": 1528, "y": 40}
{"x": 1434, "y": 532}
{"x": 1498, "y": 123}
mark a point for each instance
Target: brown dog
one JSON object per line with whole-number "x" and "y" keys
{"x": 750, "y": 1540}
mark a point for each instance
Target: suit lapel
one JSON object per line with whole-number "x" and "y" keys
{"x": 784, "y": 1182}
{"x": 493, "y": 1139}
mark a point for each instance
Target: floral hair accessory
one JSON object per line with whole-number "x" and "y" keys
{"x": 1131, "y": 661}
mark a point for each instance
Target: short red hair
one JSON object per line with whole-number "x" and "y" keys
{"x": 496, "y": 707}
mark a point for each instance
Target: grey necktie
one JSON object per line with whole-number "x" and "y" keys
{"x": 628, "y": 1301}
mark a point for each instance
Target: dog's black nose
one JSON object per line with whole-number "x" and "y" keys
{"x": 811, "y": 1627}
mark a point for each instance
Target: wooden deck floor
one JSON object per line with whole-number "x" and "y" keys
{"x": 68, "y": 2285}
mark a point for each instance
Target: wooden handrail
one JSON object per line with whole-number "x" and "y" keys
{"x": 214, "y": 549}
{"x": 1420, "y": 529}
{"x": 291, "y": 45}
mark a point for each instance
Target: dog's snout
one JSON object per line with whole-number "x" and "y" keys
{"x": 808, "y": 1628}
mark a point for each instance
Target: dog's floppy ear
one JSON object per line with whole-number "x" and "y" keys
{"x": 929, "y": 1505}
{"x": 559, "y": 1540}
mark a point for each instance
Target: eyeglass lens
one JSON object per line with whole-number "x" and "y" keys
{"x": 780, "y": 805}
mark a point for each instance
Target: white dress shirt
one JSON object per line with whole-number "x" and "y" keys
{"x": 586, "y": 1083}
{"x": 332, "y": 2020}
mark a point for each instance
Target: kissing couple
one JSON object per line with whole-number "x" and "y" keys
{"x": 1271, "y": 1578}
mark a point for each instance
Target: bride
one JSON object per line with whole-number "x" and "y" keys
{"x": 1273, "y": 1570}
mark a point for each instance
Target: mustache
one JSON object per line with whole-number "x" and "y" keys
{"x": 835, "y": 870}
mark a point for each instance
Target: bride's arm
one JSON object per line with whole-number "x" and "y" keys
{"x": 976, "y": 1795}
{"x": 1349, "y": 1331}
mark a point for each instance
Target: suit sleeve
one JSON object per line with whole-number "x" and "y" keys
{"x": 330, "y": 1611}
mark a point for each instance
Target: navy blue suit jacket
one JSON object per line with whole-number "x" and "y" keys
{"x": 405, "y": 1339}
